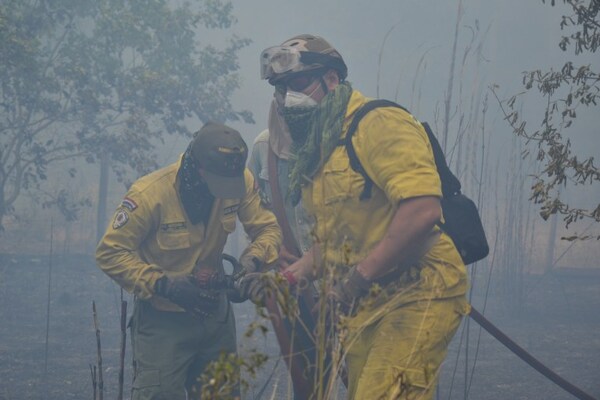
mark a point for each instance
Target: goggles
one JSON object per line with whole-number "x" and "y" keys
{"x": 300, "y": 82}
{"x": 281, "y": 59}
{"x": 277, "y": 60}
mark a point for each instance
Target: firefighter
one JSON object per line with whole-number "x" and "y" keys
{"x": 396, "y": 280}
{"x": 165, "y": 246}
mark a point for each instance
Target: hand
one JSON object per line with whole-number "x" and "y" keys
{"x": 349, "y": 290}
{"x": 253, "y": 286}
{"x": 257, "y": 286}
{"x": 249, "y": 263}
{"x": 183, "y": 292}
{"x": 246, "y": 264}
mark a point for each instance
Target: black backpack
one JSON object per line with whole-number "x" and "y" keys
{"x": 462, "y": 221}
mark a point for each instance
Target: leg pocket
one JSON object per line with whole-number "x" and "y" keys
{"x": 381, "y": 383}
{"x": 410, "y": 384}
{"x": 146, "y": 378}
{"x": 148, "y": 385}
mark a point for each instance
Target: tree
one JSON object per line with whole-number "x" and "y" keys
{"x": 565, "y": 91}
{"x": 106, "y": 80}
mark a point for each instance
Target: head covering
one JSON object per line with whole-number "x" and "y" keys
{"x": 221, "y": 153}
{"x": 300, "y": 54}
{"x": 280, "y": 139}
{"x": 196, "y": 198}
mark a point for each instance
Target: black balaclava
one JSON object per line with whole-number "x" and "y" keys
{"x": 196, "y": 198}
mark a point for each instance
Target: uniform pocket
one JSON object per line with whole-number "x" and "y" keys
{"x": 145, "y": 378}
{"x": 173, "y": 240}
{"x": 383, "y": 382}
{"x": 336, "y": 180}
{"x": 407, "y": 383}
{"x": 414, "y": 378}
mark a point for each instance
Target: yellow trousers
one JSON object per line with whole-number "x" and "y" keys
{"x": 172, "y": 349}
{"x": 399, "y": 355}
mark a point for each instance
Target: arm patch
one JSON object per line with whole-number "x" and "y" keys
{"x": 121, "y": 218}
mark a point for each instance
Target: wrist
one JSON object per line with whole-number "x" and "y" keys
{"x": 256, "y": 263}
{"x": 289, "y": 276}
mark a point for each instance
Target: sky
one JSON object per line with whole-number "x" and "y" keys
{"x": 357, "y": 29}
{"x": 516, "y": 36}
{"x": 521, "y": 36}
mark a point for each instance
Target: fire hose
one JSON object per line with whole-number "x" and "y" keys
{"x": 527, "y": 357}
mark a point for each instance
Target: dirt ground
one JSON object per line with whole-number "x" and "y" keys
{"x": 558, "y": 324}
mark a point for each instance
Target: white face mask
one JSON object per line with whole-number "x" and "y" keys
{"x": 297, "y": 99}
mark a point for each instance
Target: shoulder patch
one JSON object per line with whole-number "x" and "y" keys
{"x": 129, "y": 204}
{"x": 121, "y": 218}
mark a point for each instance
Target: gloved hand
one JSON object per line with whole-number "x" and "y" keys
{"x": 183, "y": 292}
{"x": 256, "y": 286}
{"x": 247, "y": 264}
{"x": 348, "y": 290}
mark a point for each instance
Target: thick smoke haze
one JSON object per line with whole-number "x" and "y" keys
{"x": 543, "y": 291}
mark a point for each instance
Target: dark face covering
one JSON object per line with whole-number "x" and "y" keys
{"x": 196, "y": 198}
{"x": 298, "y": 120}
{"x": 315, "y": 138}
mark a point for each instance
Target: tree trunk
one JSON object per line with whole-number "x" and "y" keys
{"x": 2, "y": 209}
{"x": 549, "y": 262}
{"x": 102, "y": 196}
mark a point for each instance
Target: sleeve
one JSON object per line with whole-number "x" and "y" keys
{"x": 257, "y": 162}
{"x": 260, "y": 224}
{"x": 254, "y": 162}
{"x": 118, "y": 254}
{"x": 395, "y": 152}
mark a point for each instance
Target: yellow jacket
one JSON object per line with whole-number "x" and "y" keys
{"x": 394, "y": 150}
{"x": 151, "y": 235}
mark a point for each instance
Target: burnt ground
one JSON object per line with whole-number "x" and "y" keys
{"x": 558, "y": 323}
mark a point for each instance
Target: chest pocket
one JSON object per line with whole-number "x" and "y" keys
{"x": 229, "y": 216}
{"x": 337, "y": 180}
{"x": 173, "y": 236}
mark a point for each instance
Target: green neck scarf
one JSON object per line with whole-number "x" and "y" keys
{"x": 324, "y": 129}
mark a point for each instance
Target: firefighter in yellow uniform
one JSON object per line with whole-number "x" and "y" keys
{"x": 165, "y": 246}
{"x": 398, "y": 281}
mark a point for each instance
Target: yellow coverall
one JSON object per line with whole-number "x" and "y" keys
{"x": 395, "y": 344}
{"x": 151, "y": 236}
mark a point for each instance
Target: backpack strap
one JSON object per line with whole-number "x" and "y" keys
{"x": 347, "y": 141}
{"x": 450, "y": 183}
